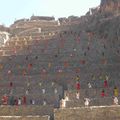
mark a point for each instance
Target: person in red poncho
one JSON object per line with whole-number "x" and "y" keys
{"x": 16, "y": 101}
{"x": 77, "y": 86}
{"x": 5, "y": 100}
{"x": 105, "y": 83}
{"x": 103, "y": 93}
{"x": 29, "y": 66}
{"x": 24, "y": 100}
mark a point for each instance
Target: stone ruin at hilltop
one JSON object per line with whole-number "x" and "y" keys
{"x": 110, "y": 5}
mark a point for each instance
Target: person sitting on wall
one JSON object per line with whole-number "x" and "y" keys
{"x": 87, "y": 102}
{"x": 63, "y": 103}
{"x": 64, "y": 100}
{"x": 115, "y": 101}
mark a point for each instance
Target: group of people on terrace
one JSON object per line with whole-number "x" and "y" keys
{"x": 87, "y": 99}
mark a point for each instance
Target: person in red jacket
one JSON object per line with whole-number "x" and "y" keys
{"x": 105, "y": 83}
{"x": 24, "y": 100}
{"x": 16, "y": 101}
{"x": 77, "y": 86}
{"x": 103, "y": 93}
{"x": 30, "y": 66}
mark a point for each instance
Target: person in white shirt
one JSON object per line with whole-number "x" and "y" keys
{"x": 27, "y": 91}
{"x": 66, "y": 98}
{"x": 55, "y": 91}
{"x": 53, "y": 83}
{"x": 63, "y": 103}
{"x": 33, "y": 102}
{"x": 87, "y": 101}
{"x": 77, "y": 95}
{"x": 44, "y": 102}
{"x": 115, "y": 101}
{"x": 19, "y": 101}
{"x": 43, "y": 91}
{"x": 89, "y": 85}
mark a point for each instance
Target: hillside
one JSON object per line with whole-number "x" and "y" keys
{"x": 41, "y": 60}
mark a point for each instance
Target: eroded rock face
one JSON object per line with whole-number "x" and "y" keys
{"x": 110, "y": 5}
